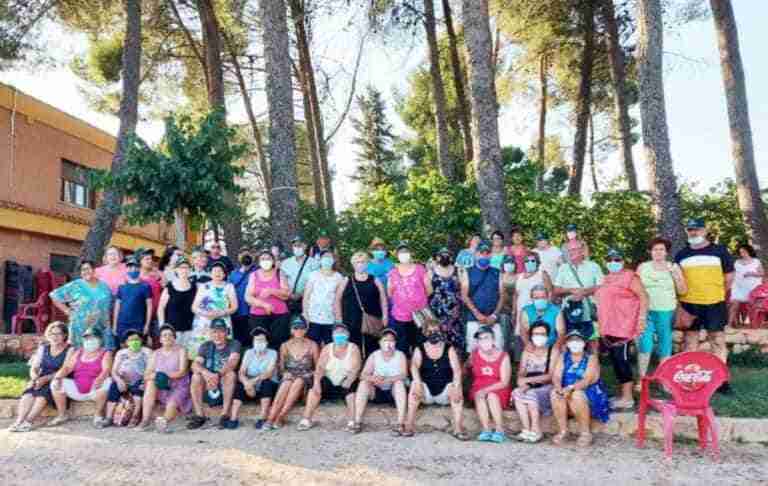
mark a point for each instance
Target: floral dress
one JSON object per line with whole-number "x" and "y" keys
{"x": 212, "y": 298}
{"x": 445, "y": 303}
{"x": 91, "y": 307}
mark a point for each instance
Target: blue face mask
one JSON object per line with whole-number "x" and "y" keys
{"x": 326, "y": 263}
{"x": 531, "y": 267}
{"x": 134, "y": 274}
{"x": 540, "y": 304}
{"x": 483, "y": 263}
{"x": 509, "y": 267}
{"x": 614, "y": 267}
{"x": 340, "y": 339}
{"x": 379, "y": 254}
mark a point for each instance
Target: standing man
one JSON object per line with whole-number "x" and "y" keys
{"x": 216, "y": 256}
{"x": 550, "y": 256}
{"x": 577, "y": 280}
{"x": 297, "y": 270}
{"x": 708, "y": 270}
{"x": 239, "y": 279}
{"x": 483, "y": 295}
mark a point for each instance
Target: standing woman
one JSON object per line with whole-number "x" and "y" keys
{"x": 748, "y": 275}
{"x": 168, "y": 262}
{"x": 361, "y": 290}
{"x": 444, "y": 289}
{"x": 175, "y": 306}
{"x": 498, "y": 251}
{"x": 114, "y": 273}
{"x": 267, "y": 294}
{"x": 663, "y": 281}
{"x": 407, "y": 289}
{"x": 320, "y": 299}
{"x": 48, "y": 359}
{"x": 87, "y": 302}
{"x": 214, "y": 300}
{"x": 517, "y": 249}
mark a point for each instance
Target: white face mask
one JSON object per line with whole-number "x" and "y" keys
{"x": 575, "y": 346}
{"x": 91, "y": 344}
{"x": 539, "y": 340}
{"x": 265, "y": 264}
{"x": 259, "y": 346}
{"x": 509, "y": 268}
{"x": 298, "y": 251}
{"x": 696, "y": 240}
{"x": 404, "y": 257}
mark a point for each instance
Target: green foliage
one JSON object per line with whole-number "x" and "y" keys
{"x": 103, "y": 62}
{"x": 191, "y": 171}
{"x": 720, "y": 209}
{"x": 14, "y": 375}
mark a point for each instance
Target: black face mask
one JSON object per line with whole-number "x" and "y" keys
{"x": 444, "y": 260}
{"x": 246, "y": 261}
{"x": 435, "y": 338}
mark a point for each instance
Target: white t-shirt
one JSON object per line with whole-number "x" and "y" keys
{"x": 550, "y": 260}
{"x": 323, "y": 296}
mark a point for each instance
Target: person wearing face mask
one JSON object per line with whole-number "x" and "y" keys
{"x": 577, "y": 280}
{"x": 320, "y": 309}
{"x": 466, "y": 257}
{"x": 444, "y": 289}
{"x": 128, "y": 375}
{"x": 383, "y": 381}
{"x": 336, "y": 377}
{"x": 257, "y": 379}
{"x": 113, "y": 273}
{"x": 436, "y": 372}
{"x": 534, "y": 382}
{"x": 239, "y": 279}
{"x": 550, "y": 256}
{"x": 297, "y": 270}
{"x": 322, "y": 244}
{"x": 214, "y": 300}
{"x": 482, "y": 292}
{"x": 572, "y": 235}
{"x": 200, "y": 273}
{"x": 622, "y": 314}
{"x": 491, "y": 371}
{"x": 542, "y": 310}
{"x": 533, "y": 275}
{"x": 90, "y": 367}
{"x": 709, "y": 270}
{"x": 362, "y": 300}
{"x": 407, "y": 289}
{"x": 267, "y": 295}
{"x": 133, "y": 303}
{"x": 578, "y": 390}
{"x": 381, "y": 264}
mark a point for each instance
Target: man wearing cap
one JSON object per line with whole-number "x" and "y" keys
{"x": 215, "y": 255}
{"x": 550, "y": 256}
{"x": 381, "y": 264}
{"x": 133, "y": 303}
{"x": 482, "y": 291}
{"x": 297, "y": 270}
{"x": 213, "y": 376}
{"x": 335, "y": 377}
{"x": 708, "y": 271}
{"x": 577, "y": 280}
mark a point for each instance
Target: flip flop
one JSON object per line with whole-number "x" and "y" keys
{"x": 304, "y": 425}
{"x": 559, "y": 438}
{"x": 462, "y": 436}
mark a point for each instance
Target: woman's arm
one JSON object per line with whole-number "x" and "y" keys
{"x": 428, "y": 282}
{"x": 367, "y": 373}
{"x": 637, "y": 287}
{"x": 164, "y": 298}
{"x": 320, "y": 367}
{"x": 560, "y": 326}
{"x": 183, "y": 366}
{"x": 354, "y": 368}
{"x": 557, "y": 375}
{"x": 232, "y": 299}
{"x": 337, "y": 308}
{"x": 384, "y": 303}
{"x": 283, "y": 293}
{"x": 242, "y": 375}
{"x": 504, "y": 379}
{"x": 416, "y": 365}
{"x": 115, "y": 314}
{"x": 547, "y": 281}
{"x": 681, "y": 286}
{"x": 68, "y": 366}
{"x": 591, "y": 375}
{"x": 307, "y": 298}
{"x": 269, "y": 372}
{"x": 148, "y": 317}
{"x": 149, "y": 373}
{"x": 106, "y": 370}
{"x": 115, "y": 375}
{"x": 453, "y": 357}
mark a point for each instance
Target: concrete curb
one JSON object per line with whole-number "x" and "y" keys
{"x": 740, "y": 430}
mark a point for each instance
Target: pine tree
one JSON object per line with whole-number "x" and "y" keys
{"x": 378, "y": 163}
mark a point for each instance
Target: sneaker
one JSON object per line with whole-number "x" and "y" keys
{"x": 58, "y": 420}
{"x": 259, "y": 424}
{"x": 232, "y": 424}
{"x": 725, "y": 389}
{"x": 305, "y": 424}
{"x": 101, "y": 422}
{"x": 523, "y": 435}
{"x": 534, "y": 437}
{"x": 485, "y": 436}
{"x": 498, "y": 437}
{"x": 196, "y": 421}
{"x": 223, "y": 421}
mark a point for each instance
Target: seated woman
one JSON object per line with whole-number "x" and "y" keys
{"x": 48, "y": 359}
{"x": 298, "y": 356}
{"x": 166, "y": 381}
{"x": 542, "y": 310}
{"x": 383, "y": 381}
{"x": 335, "y": 376}
{"x": 90, "y": 367}
{"x": 534, "y": 382}
{"x": 257, "y": 379}
{"x": 577, "y": 389}
{"x": 491, "y": 371}
{"x": 128, "y": 375}
{"x": 436, "y": 372}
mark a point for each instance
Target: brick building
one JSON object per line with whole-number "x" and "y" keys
{"x": 45, "y": 202}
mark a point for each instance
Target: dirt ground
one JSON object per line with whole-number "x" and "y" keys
{"x": 76, "y": 453}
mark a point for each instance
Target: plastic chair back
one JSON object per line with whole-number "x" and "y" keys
{"x": 692, "y": 378}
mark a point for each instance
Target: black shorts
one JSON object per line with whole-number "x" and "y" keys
{"x": 266, "y": 389}
{"x": 44, "y": 392}
{"x": 333, "y": 392}
{"x": 709, "y": 317}
{"x": 135, "y": 390}
{"x": 383, "y": 396}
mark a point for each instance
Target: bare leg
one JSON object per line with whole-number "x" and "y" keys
{"x": 228, "y": 389}
{"x": 643, "y": 360}
{"x": 718, "y": 346}
{"x": 691, "y": 340}
{"x": 494, "y": 404}
{"x": 277, "y": 404}
{"x": 401, "y": 400}
{"x": 560, "y": 411}
{"x": 100, "y": 400}
{"x": 295, "y": 392}
{"x": 110, "y": 410}
{"x": 458, "y": 414}
{"x": 196, "y": 390}
{"x": 414, "y": 401}
{"x": 580, "y": 407}
{"x": 265, "y": 402}
{"x": 235, "y": 409}
{"x": 533, "y": 410}
{"x": 350, "y": 401}
{"x": 361, "y": 400}
{"x": 148, "y": 403}
{"x": 313, "y": 400}
{"x": 171, "y": 411}
{"x": 733, "y": 313}
{"x": 37, "y": 408}
{"x": 522, "y": 412}
{"x": 481, "y": 406}
{"x": 60, "y": 398}
{"x": 25, "y": 405}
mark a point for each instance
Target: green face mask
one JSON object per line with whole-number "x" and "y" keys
{"x": 134, "y": 345}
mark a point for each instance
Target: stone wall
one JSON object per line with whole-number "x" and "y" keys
{"x": 738, "y": 340}
{"x": 22, "y": 345}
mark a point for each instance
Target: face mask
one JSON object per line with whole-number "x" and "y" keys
{"x": 259, "y": 346}
{"x": 361, "y": 267}
{"x": 575, "y": 346}
{"x": 404, "y": 257}
{"x": 444, "y": 260}
{"x": 486, "y": 344}
{"x": 265, "y": 264}
{"x": 298, "y": 251}
{"x": 134, "y": 345}
{"x": 483, "y": 263}
{"x": 340, "y": 339}
{"x": 509, "y": 267}
{"x": 134, "y": 274}
{"x": 531, "y": 267}
{"x": 91, "y": 345}
{"x": 540, "y": 304}
{"x": 326, "y": 263}
{"x": 388, "y": 346}
{"x": 539, "y": 340}
{"x": 435, "y": 338}
{"x": 696, "y": 240}
{"x": 614, "y": 267}
{"x": 571, "y": 235}
{"x": 379, "y": 254}
{"x": 246, "y": 261}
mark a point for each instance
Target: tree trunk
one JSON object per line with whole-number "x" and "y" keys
{"x": 103, "y": 225}
{"x": 592, "y": 165}
{"x": 317, "y": 174}
{"x": 747, "y": 185}
{"x": 485, "y": 130}
{"x": 180, "y": 227}
{"x": 584, "y": 102}
{"x": 653, "y": 113}
{"x": 463, "y": 108}
{"x": 542, "y": 142}
{"x": 284, "y": 208}
{"x": 233, "y": 230}
{"x": 618, "y": 79}
{"x": 444, "y": 160}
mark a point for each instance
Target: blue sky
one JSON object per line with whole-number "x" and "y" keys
{"x": 695, "y": 102}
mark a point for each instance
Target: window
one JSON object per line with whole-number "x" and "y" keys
{"x": 74, "y": 185}
{"x": 65, "y": 264}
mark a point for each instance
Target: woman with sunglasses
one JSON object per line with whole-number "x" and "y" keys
{"x": 622, "y": 312}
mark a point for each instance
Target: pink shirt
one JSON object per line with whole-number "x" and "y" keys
{"x": 618, "y": 307}
{"x": 278, "y": 306}
{"x": 113, "y": 277}
{"x": 155, "y": 284}
{"x": 408, "y": 293}
{"x": 518, "y": 253}
{"x": 86, "y": 371}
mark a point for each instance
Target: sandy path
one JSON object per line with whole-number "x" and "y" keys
{"x": 79, "y": 454}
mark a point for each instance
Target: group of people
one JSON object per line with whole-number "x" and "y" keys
{"x": 274, "y": 331}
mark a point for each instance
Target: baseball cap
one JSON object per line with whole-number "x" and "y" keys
{"x": 299, "y": 323}
{"x": 542, "y": 235}
{"x": 484, "y": 330}
{"x": 218, "y": 324}
{"x": 614, "y": 253}
{"x": 695, "y": 223}
{"x": 571, "y": 227}
{"x": 483, "y": 246}
{"x": 93, "y": 331}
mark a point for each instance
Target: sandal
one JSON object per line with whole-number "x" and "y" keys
{"x": 350, "y": 426}
{"x": 585, "y": 439}
{"x": 408, "y": 432}
{"x": 304, "y": 424}
{"x": 161, "y": 425}
{"x": 58, "y": 420}
{"x": 398, "y": 431}
{"x": 560, "y": 438}
{"x": 461, "y": 435}
{"x": 357, "y": 428}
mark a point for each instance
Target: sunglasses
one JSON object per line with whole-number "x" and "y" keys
{"x": 530, "y": 260}
{"x": 615, "y": 260}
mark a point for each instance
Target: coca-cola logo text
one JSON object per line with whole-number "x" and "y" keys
{"x": 692, "y": 377}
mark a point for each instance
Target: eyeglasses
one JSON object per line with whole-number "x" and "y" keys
{"x": 615, "y": 260}
{"x": 55, "y": 333}
{"x": 530, "y": 260}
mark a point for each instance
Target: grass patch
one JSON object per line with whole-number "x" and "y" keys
{"x": 14, "y": 376}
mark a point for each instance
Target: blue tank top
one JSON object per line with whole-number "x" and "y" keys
{"x": 484, "y": 289}
{"x": 549, "y": 317}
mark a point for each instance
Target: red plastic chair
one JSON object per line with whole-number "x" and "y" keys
{"x": 757, "y": 308}
{"x": 39, "y": 313}
{"x": 691, "y": 378}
